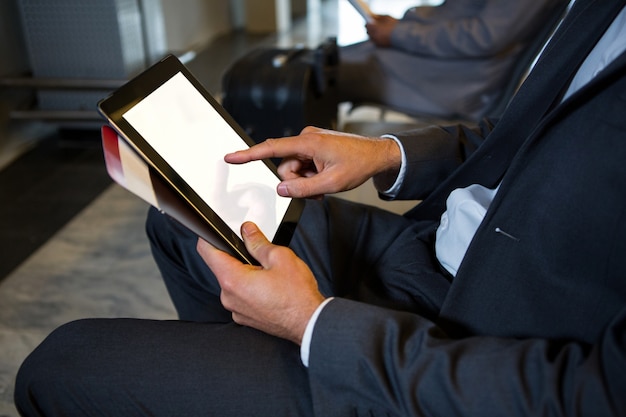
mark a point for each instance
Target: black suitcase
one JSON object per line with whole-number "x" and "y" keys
{"x": 277, "y": 92}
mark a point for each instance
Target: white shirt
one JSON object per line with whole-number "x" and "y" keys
{"x": 466, "y": 207}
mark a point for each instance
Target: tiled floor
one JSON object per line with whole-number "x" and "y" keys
{"x": 44, "y": 189}
{"x": 98, "y": 264}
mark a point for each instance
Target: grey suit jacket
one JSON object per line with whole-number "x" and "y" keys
{"x": 458, "y": 55}
{"x": 535, "y": 320}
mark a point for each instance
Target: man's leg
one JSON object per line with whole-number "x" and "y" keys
{"x": 360, "y": 78}
{"x": 374, "y": 256}
{"x": 398, "y": 80}
{"x": 191, "y": 285}
{"x": 354, "y": 251}
{"x": 125, "y": 367}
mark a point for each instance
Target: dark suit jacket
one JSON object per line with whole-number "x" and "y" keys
{"x": 535, "y": 320}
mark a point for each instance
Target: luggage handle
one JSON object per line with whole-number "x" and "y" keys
{"x": 326, "y": 56}
{"x": 283, "y": 58}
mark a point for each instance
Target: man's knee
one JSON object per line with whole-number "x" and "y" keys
{"x": 165, "y": 233}
{"x": 47, "y": 370}
{"x": 155, "y": 222}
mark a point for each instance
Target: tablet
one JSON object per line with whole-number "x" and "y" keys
{"x": 183, "y": 133}
{"x": 364, "y": 10}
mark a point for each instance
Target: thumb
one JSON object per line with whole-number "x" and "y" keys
{"x": 256, "y": 242}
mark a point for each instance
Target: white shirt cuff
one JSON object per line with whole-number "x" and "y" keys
{"x": 308, "y": 333}
{"x": 393, "y": 190}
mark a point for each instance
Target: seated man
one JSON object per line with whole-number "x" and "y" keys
{"x": 448, "y": 61}
{"x": 502, "y": 293}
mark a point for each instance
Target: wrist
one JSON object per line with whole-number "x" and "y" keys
{"x": 305, "y": 346}
{"x": 393, "y": 154}
{"x": 391, "y": 162}
{"x": 305, "y": 318}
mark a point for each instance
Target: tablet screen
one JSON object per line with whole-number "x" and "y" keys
{"x": 192, "y": 137}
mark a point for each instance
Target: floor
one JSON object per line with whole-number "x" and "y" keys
{"x": 72, "y": 243}
{"x": 46, "y": 187}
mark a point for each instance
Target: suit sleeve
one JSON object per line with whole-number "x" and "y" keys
{"x": 434, "y": 152}
{"x": 392, "y": 363}
{"x": 483, "y": 30}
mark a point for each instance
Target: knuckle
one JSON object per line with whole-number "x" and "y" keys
{"x": 238, "y": 318}
{"x": 278, "y": 253}
{"x": 225, "y": 301}
{"x": 270, "y": 144}
{"x": 227, "y": 286}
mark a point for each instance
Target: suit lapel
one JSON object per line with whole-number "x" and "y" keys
{"x": 616, "y": 68}
{"x": 578, "y": 34}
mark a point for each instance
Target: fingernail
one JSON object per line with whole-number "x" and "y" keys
{"x": 282, "y": 190}
{"x": 247, "y": 228}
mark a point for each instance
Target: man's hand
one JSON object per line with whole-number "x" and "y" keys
{"x": 379, "y": 30}
{"x": 278, "y": 298}
{"x": 320, "y": 161}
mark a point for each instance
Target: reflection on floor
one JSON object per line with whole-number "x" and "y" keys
{"x": 98, "y": 264}
{"x": 45, "y": 188}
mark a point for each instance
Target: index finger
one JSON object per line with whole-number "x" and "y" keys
{"x": 269, "y": 148}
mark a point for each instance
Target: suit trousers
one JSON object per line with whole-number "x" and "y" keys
{"x": 205, "y": 364}
{"x": 364, "y": 78}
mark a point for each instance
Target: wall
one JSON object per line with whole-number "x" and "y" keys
{"x": 170, "y": 26}
{"x": 13, "y": 62}
{"x": 13, "y": 58}
{"x": 194, "y": 23}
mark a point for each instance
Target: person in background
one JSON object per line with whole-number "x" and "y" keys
{"x": 503, "y": 293}
{"x": 450, "y": 61}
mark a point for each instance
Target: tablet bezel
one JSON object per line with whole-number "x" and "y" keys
{"x": 113, "y": 108}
